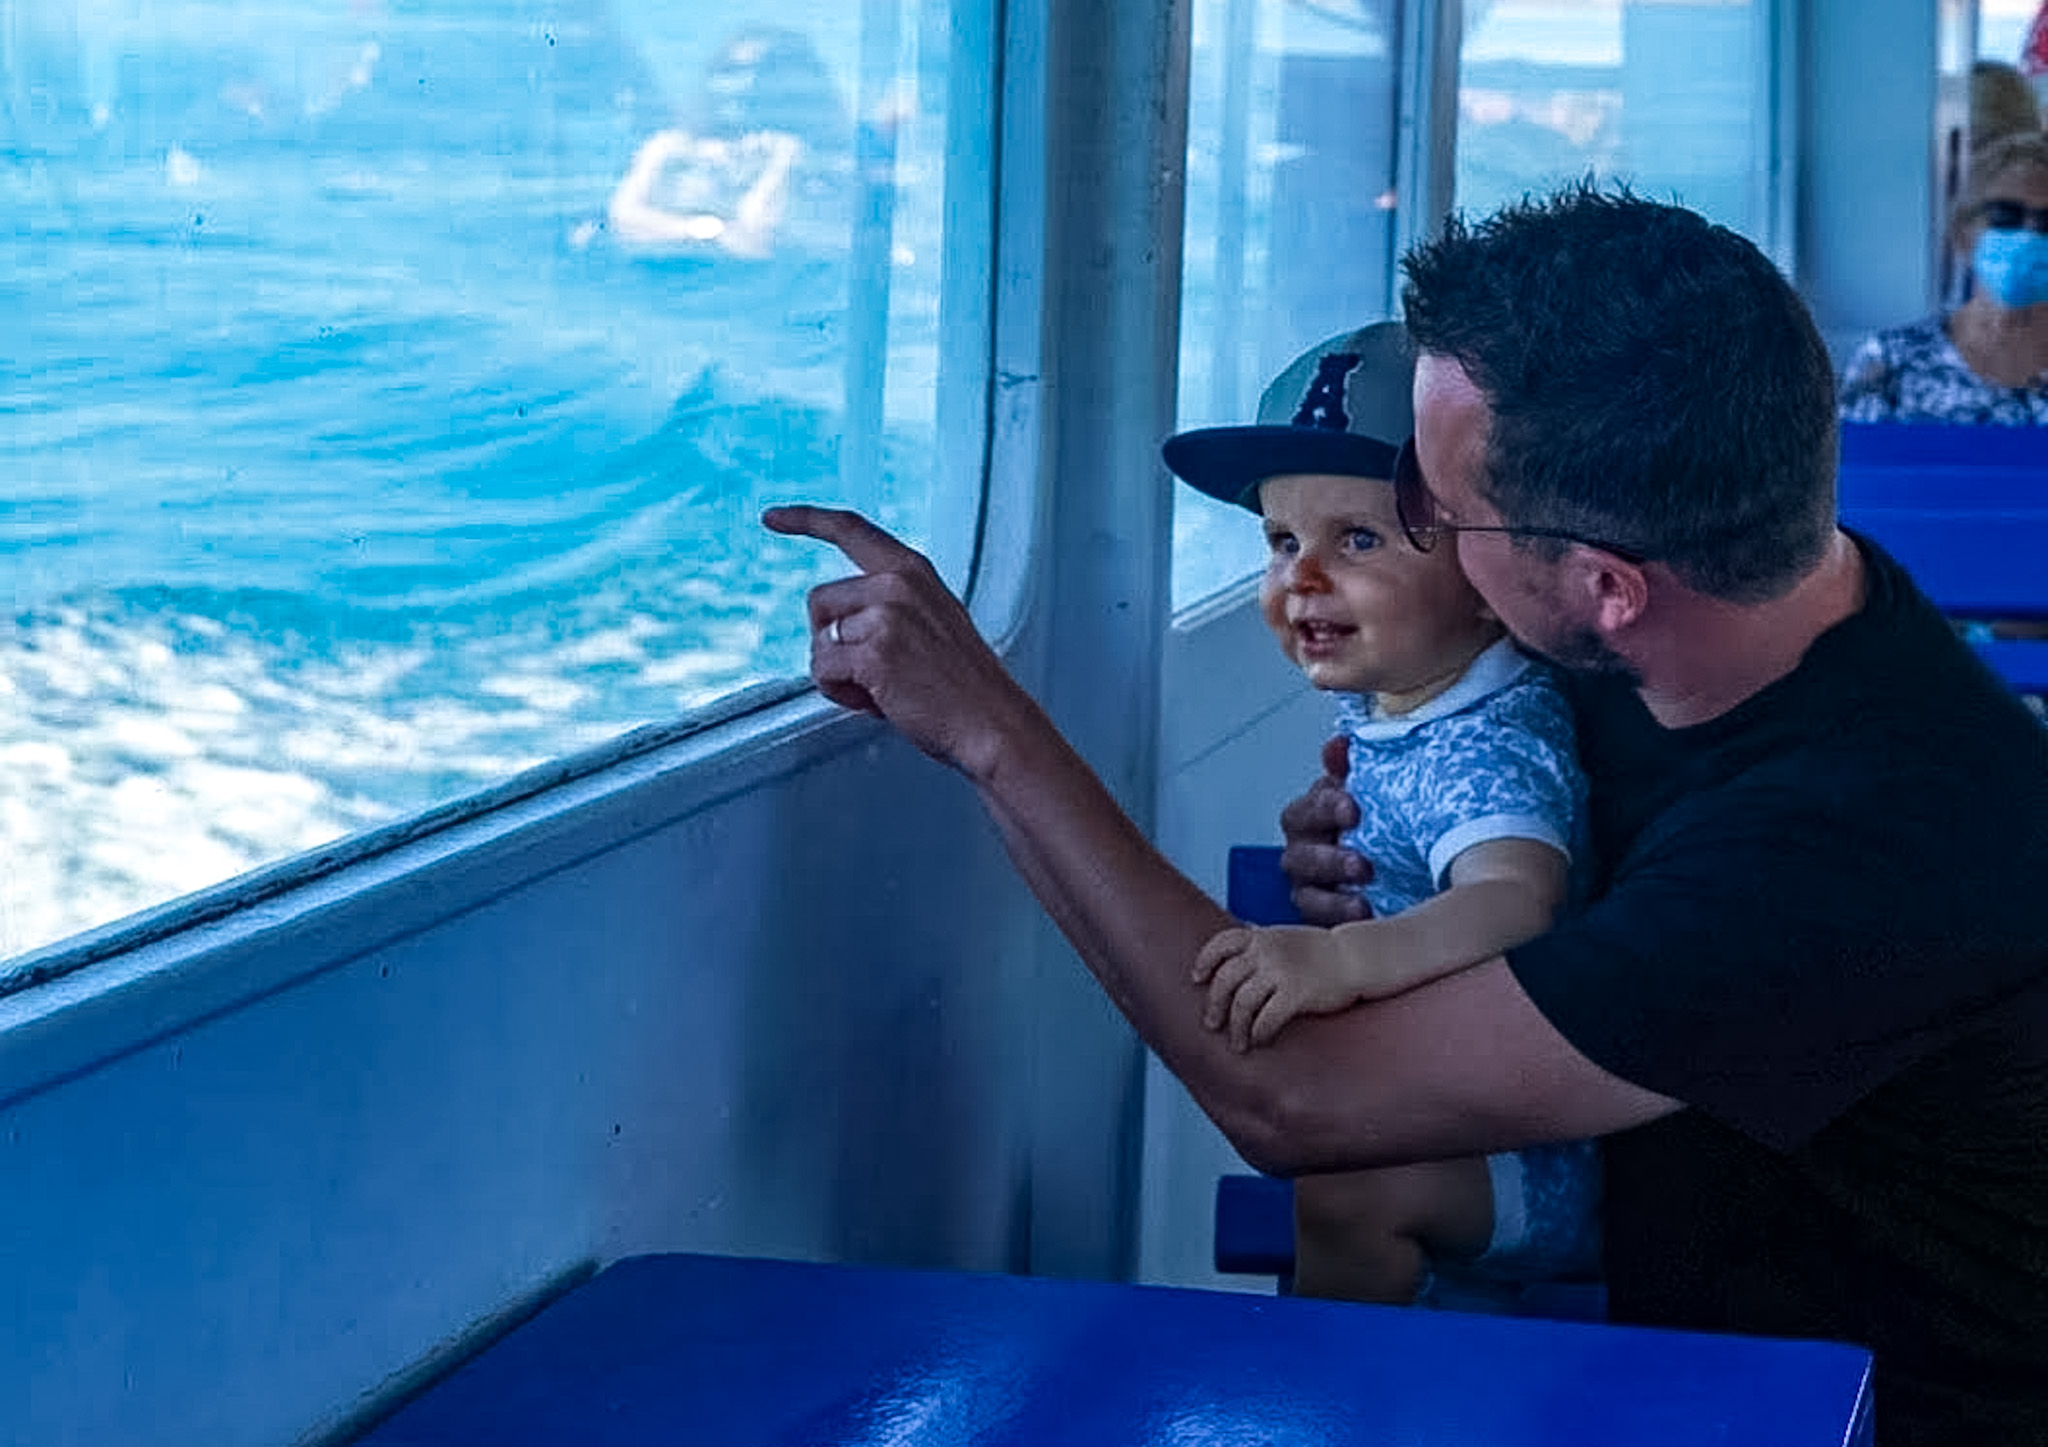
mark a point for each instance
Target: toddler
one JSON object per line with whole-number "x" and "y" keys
{"x": 1470, "y": 801}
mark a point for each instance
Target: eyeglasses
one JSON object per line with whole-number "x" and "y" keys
{"x": 1422, "y": 524}
{"x": 2006, "y": 214}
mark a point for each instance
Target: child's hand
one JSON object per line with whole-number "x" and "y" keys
{"x": 1259, "y": 979}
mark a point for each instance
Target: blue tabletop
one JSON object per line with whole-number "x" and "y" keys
{"x": 735, "y": 1352}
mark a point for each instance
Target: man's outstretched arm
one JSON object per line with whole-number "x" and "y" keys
{"x": 1463, "y": 1065}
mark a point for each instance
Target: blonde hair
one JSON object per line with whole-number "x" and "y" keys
{"x": 1993, "y": 163}
{"x": 2002, "y": 103}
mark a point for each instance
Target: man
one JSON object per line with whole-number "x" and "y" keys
{"x": 1809, "y": 1001}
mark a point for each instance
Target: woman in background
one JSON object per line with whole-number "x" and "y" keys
{"x": 1985, "y": 361}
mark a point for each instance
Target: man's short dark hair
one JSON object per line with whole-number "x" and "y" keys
{"x": 1653, "y": 382}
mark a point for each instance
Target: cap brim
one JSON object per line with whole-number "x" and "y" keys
{"x": 1229, "y": 463}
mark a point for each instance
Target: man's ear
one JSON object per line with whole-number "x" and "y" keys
{"x": 1616, "y": 589}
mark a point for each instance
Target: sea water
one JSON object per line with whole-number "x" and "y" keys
{"x": 346, "y": 467}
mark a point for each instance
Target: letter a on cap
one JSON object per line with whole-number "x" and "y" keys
{"x": 1324, "y": 405}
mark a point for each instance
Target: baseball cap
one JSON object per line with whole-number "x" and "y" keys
{"x": 1343, "y": 407}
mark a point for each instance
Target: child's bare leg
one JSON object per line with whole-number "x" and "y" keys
{"x": 1369, "y": 1235}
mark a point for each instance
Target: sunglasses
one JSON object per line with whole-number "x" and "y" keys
{"x": 2005, "y": 214}
{"x": 1423, "y": 524}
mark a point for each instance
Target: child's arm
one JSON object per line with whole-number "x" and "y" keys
{"x": 1497, "y": 895}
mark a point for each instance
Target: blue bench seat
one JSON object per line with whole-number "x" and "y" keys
{"x": 1965, "y": 511}
{"x": 657, "y": 1350}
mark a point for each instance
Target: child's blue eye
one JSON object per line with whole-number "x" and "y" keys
{"x": 1283, "y": 544}
{"x": 1361, "y": 540}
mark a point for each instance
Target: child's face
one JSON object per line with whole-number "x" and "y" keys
{"x": 1353, "y": 604}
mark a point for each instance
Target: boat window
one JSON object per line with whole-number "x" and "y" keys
{"x": 1292, "y": 129}
{"x": 2004, "y": 28}
{"x": 392, "y": 389}
{"x": 1674, "y": 96}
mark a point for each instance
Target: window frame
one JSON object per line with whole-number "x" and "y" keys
{"x": 1431, "y": 37}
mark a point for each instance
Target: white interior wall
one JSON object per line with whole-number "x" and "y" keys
{"x": 1241, "y": 733}
{"x": 258, "y": 1175}
{"x": 1863, "y": 175}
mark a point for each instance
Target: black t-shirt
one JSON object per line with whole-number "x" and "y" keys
{"x": 1822, "y": 923}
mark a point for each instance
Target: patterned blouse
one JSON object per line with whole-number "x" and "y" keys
{"x": 1915, "y": 374}
{"x": 1491, "y": 757}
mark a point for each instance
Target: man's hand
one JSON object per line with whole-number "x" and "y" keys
{"x": 894, "y": 642}
{"x": 1261, "y": 978}
{"x": 1324, "y": 872}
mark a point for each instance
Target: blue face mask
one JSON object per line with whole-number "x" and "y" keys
{"x": 2012, "y": 267}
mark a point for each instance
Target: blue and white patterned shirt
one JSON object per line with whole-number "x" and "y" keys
{"x": 1491, "y": 757}
{"x": 1915, "y": 374}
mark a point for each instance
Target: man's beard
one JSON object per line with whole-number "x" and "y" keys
{"x": 1583, "y": 651}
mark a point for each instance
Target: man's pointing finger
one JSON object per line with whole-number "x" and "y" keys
{"x": 871, "y": 549}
